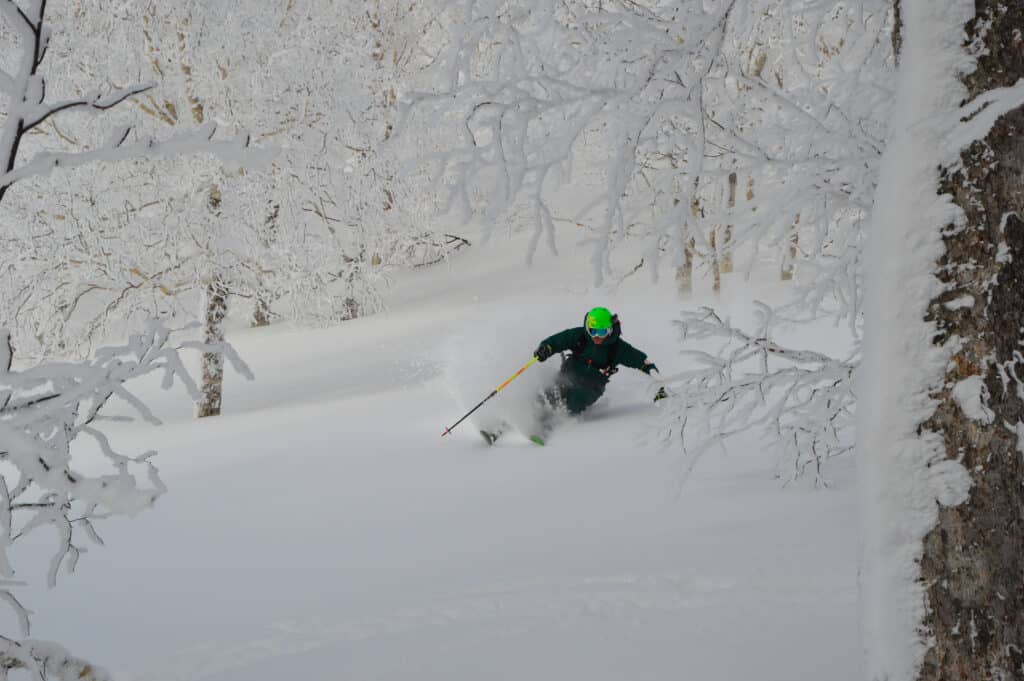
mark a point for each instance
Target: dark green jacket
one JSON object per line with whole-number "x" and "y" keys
{"x": 588, "y": 364}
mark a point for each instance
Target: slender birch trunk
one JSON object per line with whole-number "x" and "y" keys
{"x": 726, "y": 248}
{"x": 684, "y": 273}
{"x": 215, "y": 309}
{"x": 261, "y": 313}
{"x": 789, "y": 262}
{"x": 716, "y": 267}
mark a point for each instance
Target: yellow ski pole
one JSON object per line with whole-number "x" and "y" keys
{"x": 493, "y": 393}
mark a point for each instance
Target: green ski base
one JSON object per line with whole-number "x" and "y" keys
{"x": 537, "y": 440}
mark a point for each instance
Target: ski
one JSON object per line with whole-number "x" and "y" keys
{"x": 491, "y": 435}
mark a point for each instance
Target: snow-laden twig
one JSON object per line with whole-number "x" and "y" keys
{"x": 802, "y": 399}
{"x": 118, "y": 148}
{"x": 47, "y": 661}
{"x": 45, "y": 408}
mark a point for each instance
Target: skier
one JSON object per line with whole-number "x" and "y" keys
{"x": 596, "y": 351}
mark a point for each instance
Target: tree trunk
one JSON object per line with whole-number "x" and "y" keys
{"x": 726, "y": 248}
{"x": 716, "y": 266}
{"x": 684, "y": 273}
{"x": 261, "y": 312}
{"x": 6, "y": 351}
{"x": 215, "y": 310}
{"x": 973, "y": 562}
{"x": 350, "y": 309}
{"x": 788, "y": 263}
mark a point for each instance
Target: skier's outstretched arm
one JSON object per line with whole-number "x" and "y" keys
{"x": 631, "y": 357}
{"x": 635, "y": 359}
{"x": 560, "y": 342}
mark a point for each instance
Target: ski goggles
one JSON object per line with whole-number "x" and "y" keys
{"x": 599, "y": 333}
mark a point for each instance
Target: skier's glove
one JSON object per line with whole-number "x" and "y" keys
{"x": 648, "y": 367}
{"x": 543, "y": 351}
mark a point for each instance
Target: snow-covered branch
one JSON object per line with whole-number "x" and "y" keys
{"x": 802, "y": 399}
{"x": 96, "y": 101}
{"x": 46, "y": 661}
{"x": 43, "y": 410}
{"x": 119, "y": 149}
{"x": 526, "y": 88}
{"x": 27, "y": 109}
{"x": 46, "y": 407}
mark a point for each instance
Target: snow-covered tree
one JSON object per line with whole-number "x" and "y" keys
{"x": 29, "y": 104}
{"x": 800, "y": 114}
{"x": 315, "y": 235}
{"x": 934, "y": 286}
{"x": 797, "y": 104}
{"x": 44, "y": 409}
{"x": 720, "y": 130}
{"x": 73, "y": 256}
{"x": 671, "y": 108}
{"x": 524, "y": 89}
{"x": 940, "y": 398}
{"x": 312, "y": 237}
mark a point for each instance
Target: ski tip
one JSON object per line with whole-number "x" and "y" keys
{"x": 537, "y": 440}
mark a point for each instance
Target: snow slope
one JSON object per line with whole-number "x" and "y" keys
{"x": 323, "y": 530}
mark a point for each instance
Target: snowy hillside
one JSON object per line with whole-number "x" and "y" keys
{"x": 323, "y": 530}
{"x": 362, "y": 203}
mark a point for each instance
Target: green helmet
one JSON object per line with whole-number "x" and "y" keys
{"x": 598, "y": 318}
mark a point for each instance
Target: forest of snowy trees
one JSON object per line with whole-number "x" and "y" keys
{"x": 173, "y": 169}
